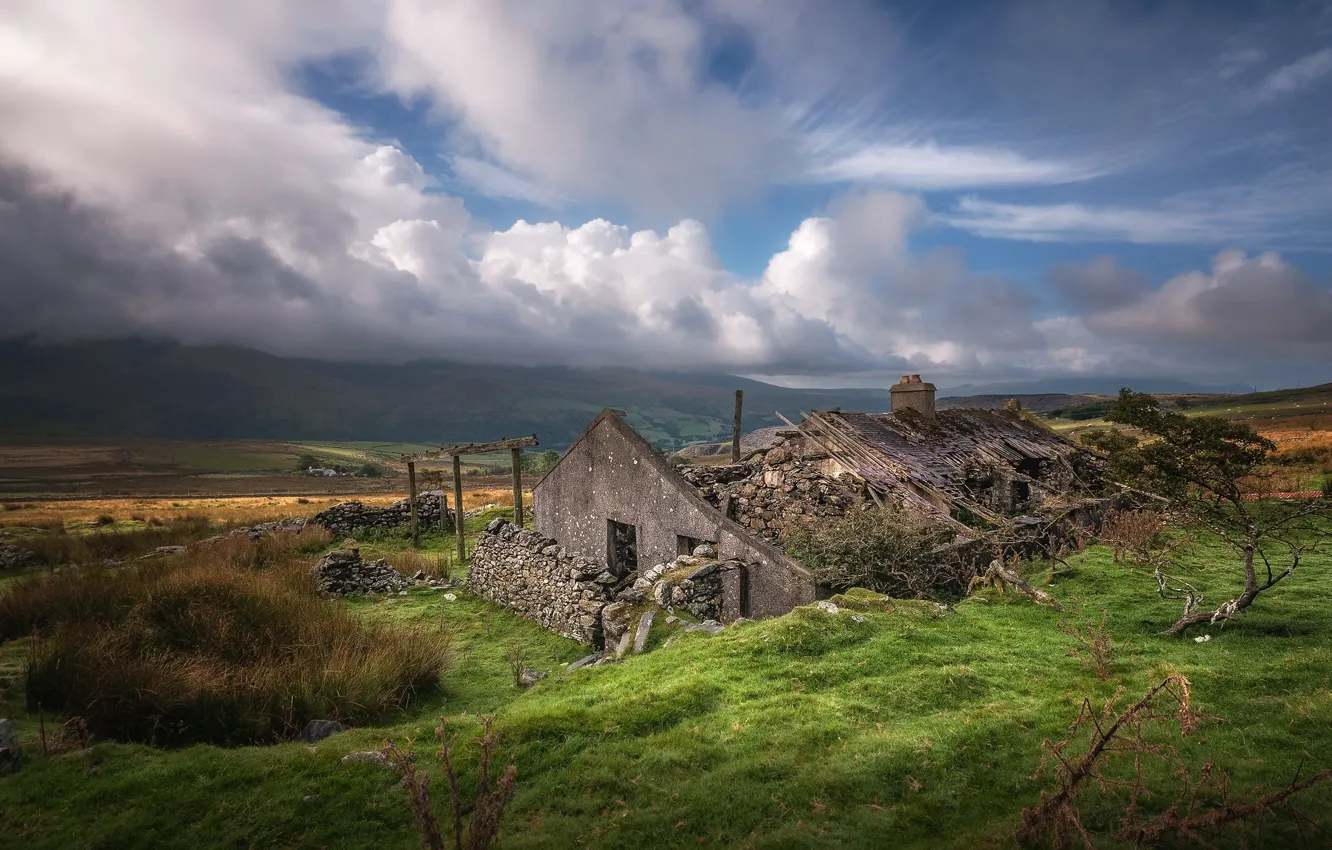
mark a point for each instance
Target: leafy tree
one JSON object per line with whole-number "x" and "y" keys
{"x": 538, "y": 464}
{"x": 305, "y": 461}
{"x": 369, "y": 470}
{"x": 1207, "y": 470}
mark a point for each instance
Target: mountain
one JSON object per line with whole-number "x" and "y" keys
{"x": 133, "y": 388}
{"x": 167, "y": 390}
{"x": 1093, "y": 386}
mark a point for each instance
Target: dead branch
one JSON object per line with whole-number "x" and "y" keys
{"x": 997, "y": 575}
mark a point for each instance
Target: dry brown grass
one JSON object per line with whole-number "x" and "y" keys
{"x": 226, "y": 644}
{"x": 239, "y": 509}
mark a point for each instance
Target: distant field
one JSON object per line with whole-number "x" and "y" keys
{"x": 188, "y": 469}
{"x": 1298, "y": 421}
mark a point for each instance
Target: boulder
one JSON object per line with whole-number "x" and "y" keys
{"x": 318, "y": 730}
{"x": 530, "y": 677}
{"x": 11, "y": 755}
{"x": 370, "y": 757}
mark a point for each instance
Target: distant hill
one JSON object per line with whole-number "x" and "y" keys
{"x": 168, "y": 390}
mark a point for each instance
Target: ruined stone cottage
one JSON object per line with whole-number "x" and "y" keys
{"x": 612, "y": 507}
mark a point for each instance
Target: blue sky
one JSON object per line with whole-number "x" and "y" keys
{"x": 824, "y": 192}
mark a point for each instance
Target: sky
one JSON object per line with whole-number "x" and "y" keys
{"x": 822, "y": 193}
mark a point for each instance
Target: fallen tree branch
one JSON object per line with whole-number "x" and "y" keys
{"x": 997, "y": 575}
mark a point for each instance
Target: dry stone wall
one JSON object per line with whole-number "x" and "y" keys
{"x": 538, "y": 579}
{"x": 348, "y": 517}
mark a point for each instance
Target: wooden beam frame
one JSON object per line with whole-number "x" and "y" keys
{"x": 458, "y": 520}
{"x": 411, "y": 498}
{"x": 518, "y": 487}
{"x": 473, "y": 449}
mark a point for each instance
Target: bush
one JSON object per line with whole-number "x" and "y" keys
{"x": 900, "y": 553}
{"x": 229, "y": 645}
{"x": 369, "y": 470}
{"x": 1327, "y": 487}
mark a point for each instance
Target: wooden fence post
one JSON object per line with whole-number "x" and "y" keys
{"x": 411, "y": 497}
{"x": 518, "y": 487}
{"x": 458, "y": 508}
{"x": 735, "y": 431}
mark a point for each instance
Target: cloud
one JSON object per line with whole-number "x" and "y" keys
{"x": 932, "y": 167}
{"x": 1297, "y": 76}
{"x": 496, "y": 181}
{"x": 1098, "y": 284}
{"x": 1245, "y": 303}
{"x": 609, "y": 101}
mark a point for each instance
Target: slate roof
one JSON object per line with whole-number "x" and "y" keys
{"x": 928, "y": 461}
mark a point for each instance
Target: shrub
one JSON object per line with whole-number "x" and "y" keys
{"x": 227, "y": 645}
{"x": 900, "y": 553}
{"x": 106, "y": 519}
{"x": 1134, "y": 533}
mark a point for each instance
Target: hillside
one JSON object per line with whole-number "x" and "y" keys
{"x": 134, "y": 389}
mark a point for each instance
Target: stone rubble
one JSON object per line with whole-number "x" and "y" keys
{"x": 775, "y": 489}
{"x": 16, "y": 557}
{"x": 342, "y": 572}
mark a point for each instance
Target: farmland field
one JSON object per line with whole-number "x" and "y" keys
{"x": 33, "y": 469}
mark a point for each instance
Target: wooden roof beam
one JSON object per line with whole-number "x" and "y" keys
{"x": 473, "y": 449}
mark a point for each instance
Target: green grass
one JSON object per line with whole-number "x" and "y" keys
{"x": 807, "y": 730}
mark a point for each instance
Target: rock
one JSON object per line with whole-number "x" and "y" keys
{"x": 625, "y": 640}
{"x": 530, "y": 677}
{"x": 318, "y": 730}
{"x": 16, "y": 557}
{"x": 418, "y": 575}
{"x": 583, "y": 662}
{"x": 661, "y": 593}
{"x": 450, "y": 597}
{"x": 825, "y": 605}
{"x": 644, "y": 626}
{"x": 630, "y": 594}
{"x": 11, "y": 755}
{"x": 705, "y": 571}
{"x": 642, "y": 584}
{"x": 712, "y": 627}
{"x": 615, "y": 622}
{"x": 371, "y": 757}
{"x": 705, "y": 550}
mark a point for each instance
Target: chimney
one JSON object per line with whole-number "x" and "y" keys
{"x": 914, "y": 394}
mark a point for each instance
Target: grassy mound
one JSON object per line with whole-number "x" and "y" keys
{"x": 229, "y": 645}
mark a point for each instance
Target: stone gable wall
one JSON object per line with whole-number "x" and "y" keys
{"x": 539, "y": 579}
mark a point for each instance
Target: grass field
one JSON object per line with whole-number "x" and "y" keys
{"x": 185, "y": 469}
{"x": 810, "y": 730}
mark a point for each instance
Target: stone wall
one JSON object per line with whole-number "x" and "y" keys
{"x": 776, "y": 489}
{"x": 347, "y": 517}
{"x": 538, "y": 579}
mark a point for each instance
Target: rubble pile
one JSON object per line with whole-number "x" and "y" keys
{"x": 775, "y": 489}
{"x": 342, "y": 572}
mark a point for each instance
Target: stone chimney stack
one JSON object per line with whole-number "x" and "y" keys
{"x": 913, "y": 393}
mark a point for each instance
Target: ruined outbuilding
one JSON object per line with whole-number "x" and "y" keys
{"x": 613, "y": 507}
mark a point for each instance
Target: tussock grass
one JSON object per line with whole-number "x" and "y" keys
{"x": 57, "y": 547}
{"x": 228, "y": 644}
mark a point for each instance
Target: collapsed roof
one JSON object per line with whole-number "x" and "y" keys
{"x": 958, "y": 464}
